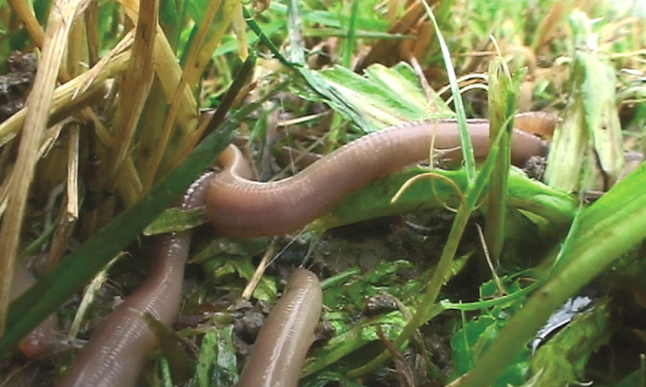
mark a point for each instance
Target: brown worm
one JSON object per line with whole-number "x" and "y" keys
{"x": 119, "y": 348}
{"x": 279, "y": 352}
{"x": 238, "y": 207}
{"x": 242, "y": 208}
{"x": 37, "y": 341}
{"x": 540, "y": 123}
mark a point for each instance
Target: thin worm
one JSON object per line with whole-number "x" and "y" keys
{"x": 279, "y": 352}
{"x": 117, "y": 351}
{"x": 42, "y": 337}
{"x": 242, "y": 208}
{"x": 119, "y": 348}
{"x": 540, "y": 123}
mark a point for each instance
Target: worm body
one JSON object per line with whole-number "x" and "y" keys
{"x": 119, "y": 348}
{"x": 240, "y": 207}
{"x": 38, "y": 340}
{"x": 117, "y": 351}
{"x": 279, "y": 352}
{"x": 540, "y": 123}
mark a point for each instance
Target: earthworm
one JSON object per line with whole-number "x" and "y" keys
{"x": 119, "y": 348}
{"x": 238, "y": 207}
{"x": 38, "y": 340}
{"x": 279, "y": 352}
{"x": 242, "y": 208}
{"x": 540, "y": 123}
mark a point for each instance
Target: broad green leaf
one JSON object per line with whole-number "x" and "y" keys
{"x": 385, "y": 97}
{"x": 217, "y": 362}
{"x": 174, "y": 219}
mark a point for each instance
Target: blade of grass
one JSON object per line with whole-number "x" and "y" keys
{"x": 465, "y": 138}
{"x": 136, "y": 85}
{"x": 225, "y": 104}
{"x": 503, "y": 94}
{"x": 295, "y": 25}
{"x": 264, "y": 38}
{"x": 25, "y": 13}
{"x": 350, "y": 35}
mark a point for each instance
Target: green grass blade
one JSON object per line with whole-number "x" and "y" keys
{"x": 465, "y": 138}
{"x": 503, "y": 94}
{"x": 264, "y": 38}
{"x": 351, "y": 35}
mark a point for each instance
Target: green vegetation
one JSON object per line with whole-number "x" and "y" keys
{"x": 114, "y": 117}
